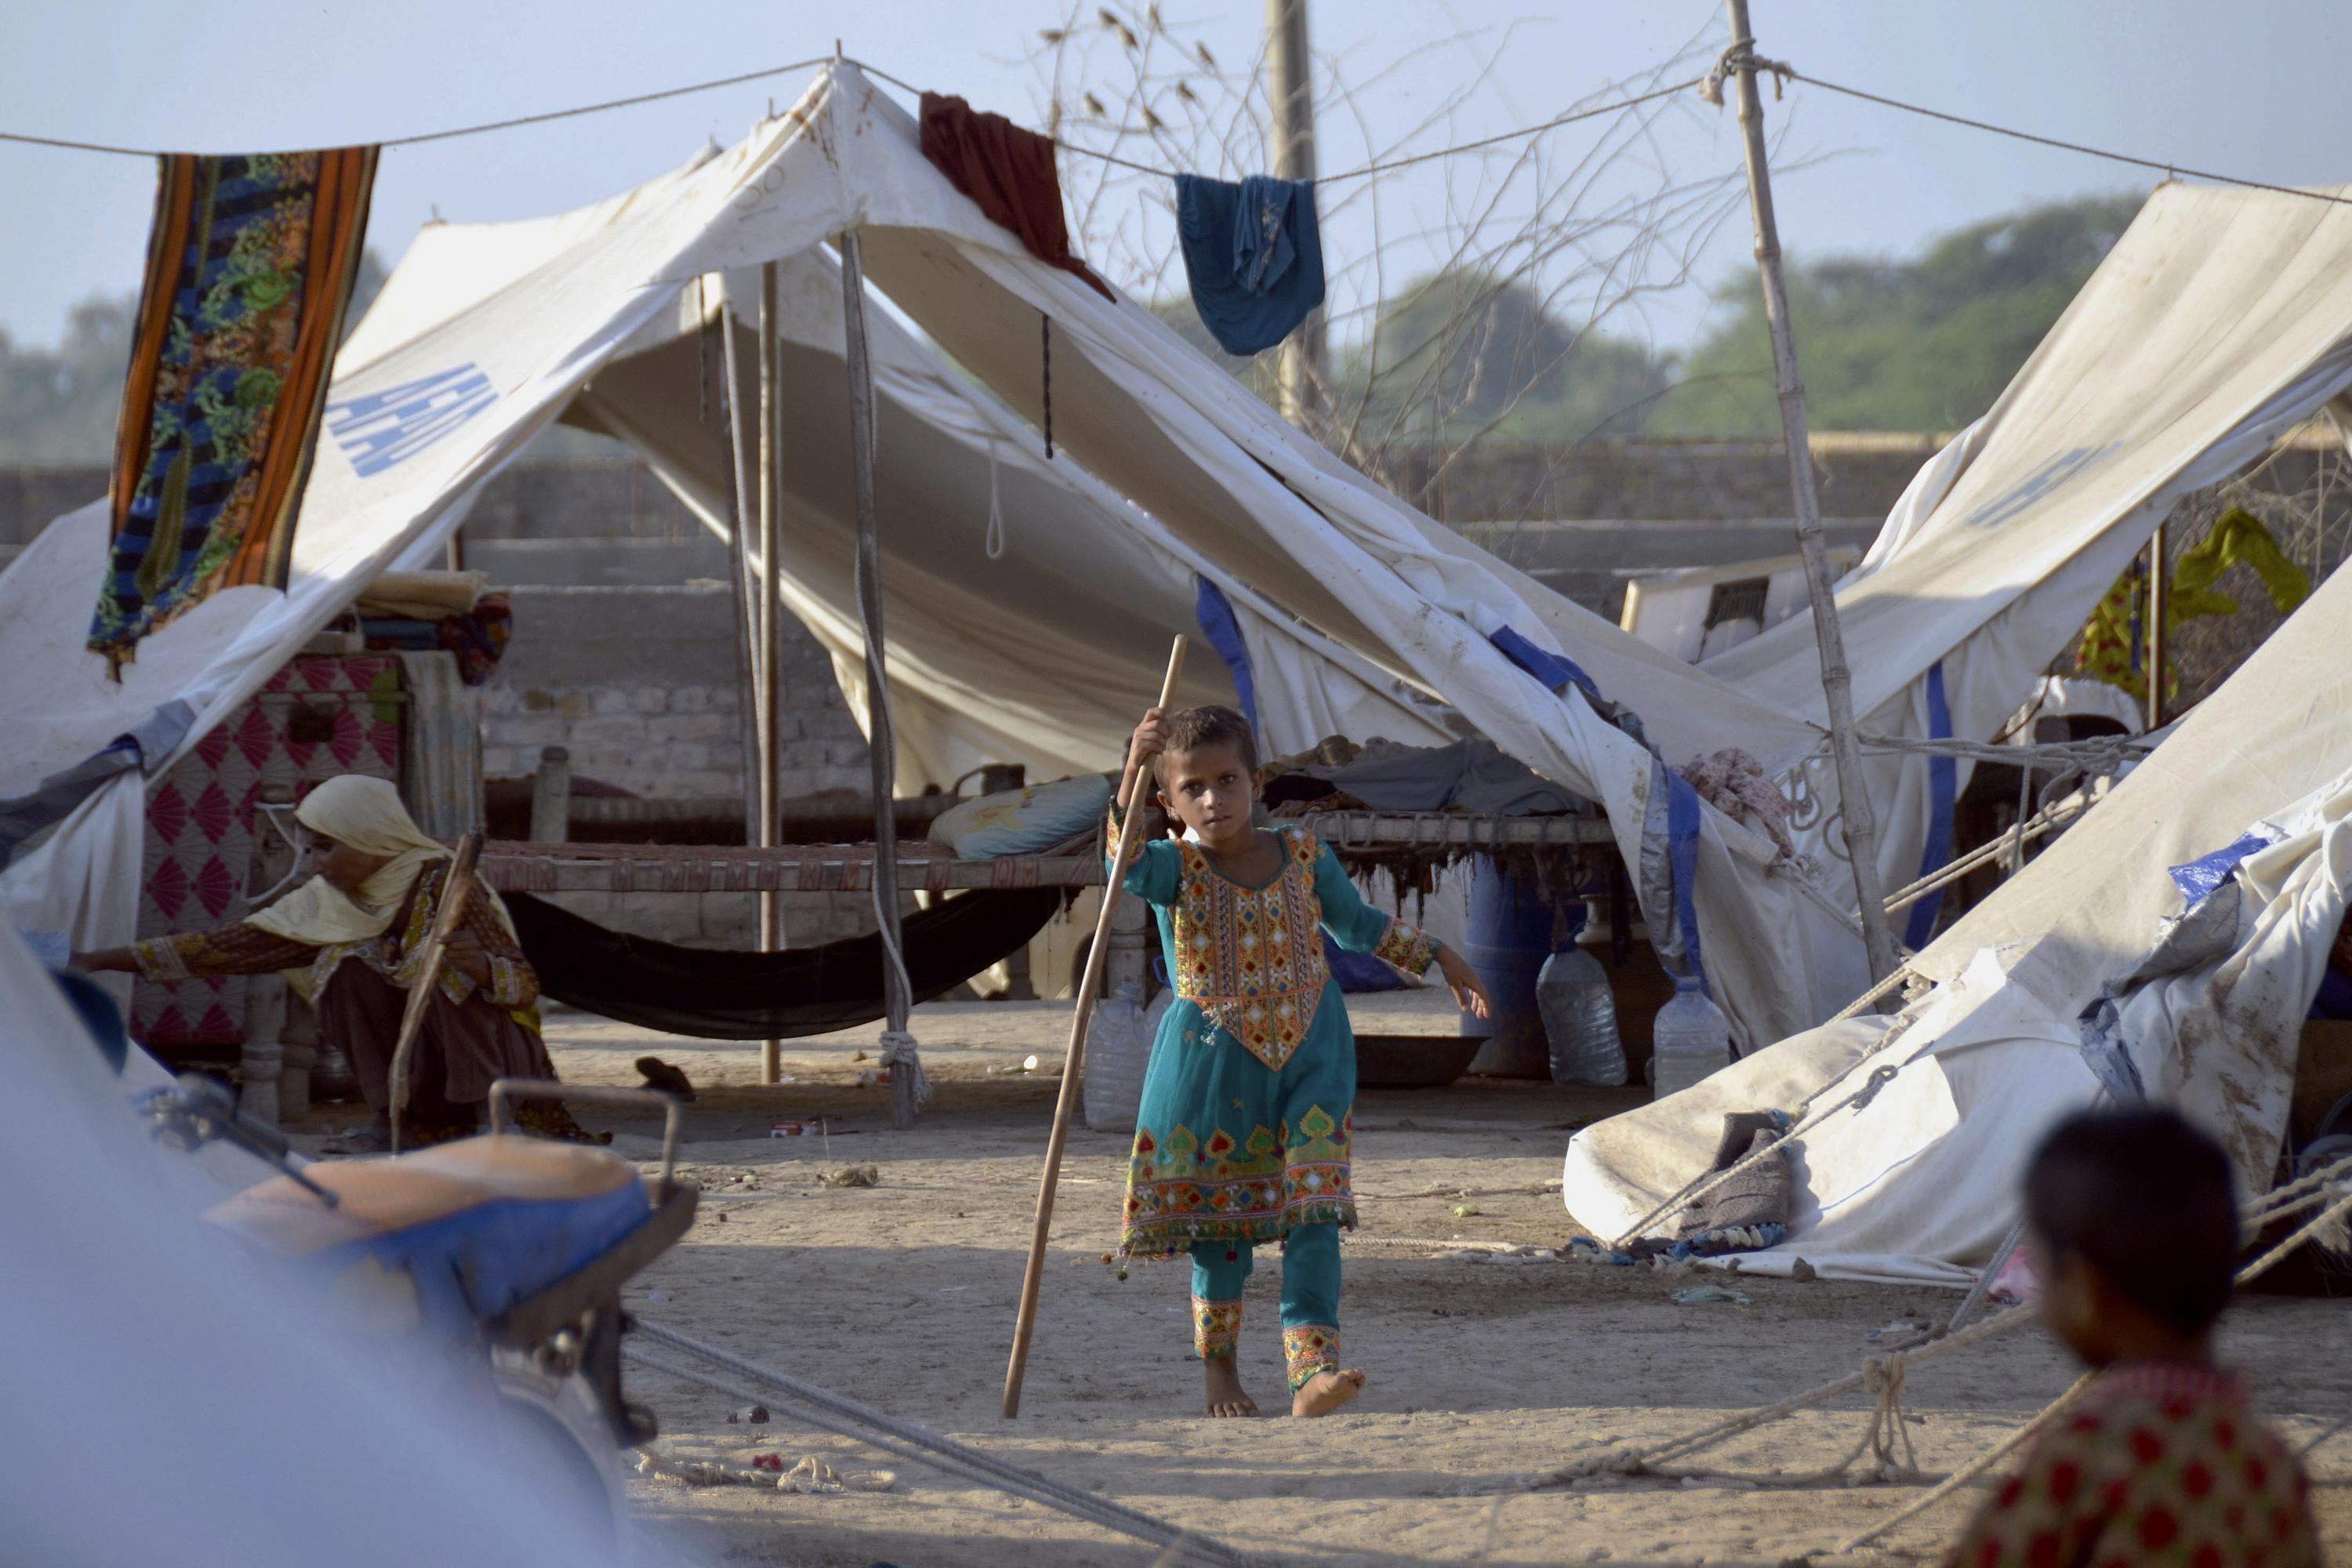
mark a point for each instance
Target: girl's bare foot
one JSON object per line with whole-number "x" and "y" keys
{"x": 1225, "y": 1395}
{"x": 1326, "y": 1392}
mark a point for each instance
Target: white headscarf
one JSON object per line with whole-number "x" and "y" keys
{"x": 366, "y": 815}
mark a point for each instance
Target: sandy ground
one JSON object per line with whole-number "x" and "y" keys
{"x": 903, "y": 1295}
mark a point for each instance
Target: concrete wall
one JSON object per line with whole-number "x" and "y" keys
{"x": 640, "y": 683}
{"x": 1858, "y": 476}
{"x": 624, "y": 647}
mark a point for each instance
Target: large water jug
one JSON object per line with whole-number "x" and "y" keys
{"x": 1691, "y": 1040}
{"x": 1579, "y": 1019}
{"x": 1119, "y": 1047}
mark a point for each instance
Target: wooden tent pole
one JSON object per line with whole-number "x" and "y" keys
{"x": 454, "y": 890}
{"x": 742, "y": 508}
{"x": 2154, "y": 641}
{"x": 880, "y": 740}
{"x": 771, "y": 501}
{"x": 1837, "y": 678}
{"x": 1130, "y": 835}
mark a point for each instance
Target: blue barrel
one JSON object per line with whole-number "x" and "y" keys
{"x": 1510, "y": 934}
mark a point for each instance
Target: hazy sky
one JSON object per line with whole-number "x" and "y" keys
{"x": 2253, "y": 89}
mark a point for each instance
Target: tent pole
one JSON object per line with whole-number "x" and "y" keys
{"x": 880, "y": 741}
{"x": 771, "y": 504}
{"x": 1290, "y": 91}
{"x": 1837, "y": 680}
{"x": 2155, "y": 640}
{"x": 740, "y": 509}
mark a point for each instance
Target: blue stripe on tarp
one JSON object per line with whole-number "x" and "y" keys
{"x": 1554, "y": 669}
{"x": 1682, "y": 854}
{"x": 1224, "y": 630}
{"x": 1943, "y": 789}
{"x": 2198, "y": 880}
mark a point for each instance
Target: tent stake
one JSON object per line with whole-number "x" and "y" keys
{"x": 880, "y": 740}
{"x": 1131, "y": 835}
{"x": 1837, "y": 680}
{"x": 772, "y": 503}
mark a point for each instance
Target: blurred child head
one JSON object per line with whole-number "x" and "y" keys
{"x": 1207, "y": 773}
{"x": 2133, "y": 1219}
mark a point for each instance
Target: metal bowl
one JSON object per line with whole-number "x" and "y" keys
{"x": 1412, "y": 1062}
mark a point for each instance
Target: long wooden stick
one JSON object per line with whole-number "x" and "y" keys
{"x": 1837, "y": 675}
{"x": 420, "y": 991}
{"x": 1130, "y": 834}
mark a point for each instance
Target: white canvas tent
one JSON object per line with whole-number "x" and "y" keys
{"x": 1919, "y": 1182}
{"x": 2220, "y": 320}
{"x": 1358, "y": 610}
{"x": 1361, "y": 614}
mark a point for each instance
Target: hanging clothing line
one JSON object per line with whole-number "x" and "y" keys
{"x": 1780, "y": 69}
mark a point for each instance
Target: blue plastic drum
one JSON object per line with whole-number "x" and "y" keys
{"x": 1512, "y": 930}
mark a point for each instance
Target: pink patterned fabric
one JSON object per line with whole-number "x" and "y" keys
{"x": 201, "y": 819}
{"x": 1735, "y": 783}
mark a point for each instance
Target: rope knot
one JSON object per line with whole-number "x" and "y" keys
{"x": 1742, "y": 55}
{"x": 900, "y": 1054}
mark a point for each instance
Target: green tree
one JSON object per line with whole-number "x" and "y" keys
{"x": 1924, "y": 345}
{"x": 57, "y": 406}
{"x": 1465, "y": 352}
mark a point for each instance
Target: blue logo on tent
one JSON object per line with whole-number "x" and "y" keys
{"x": 2052, "y": 473}
{"x": 379, "y": 430}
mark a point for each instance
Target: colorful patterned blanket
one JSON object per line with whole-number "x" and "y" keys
{"x": 249, "y": 267}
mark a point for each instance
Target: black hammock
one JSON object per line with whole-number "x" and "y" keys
{"x": 720, "y": 995}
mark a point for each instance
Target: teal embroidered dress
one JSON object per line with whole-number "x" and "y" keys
{"x": 1244, "y": 1131}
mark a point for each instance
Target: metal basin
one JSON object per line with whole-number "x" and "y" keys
{"x": 1412, "y": 1061}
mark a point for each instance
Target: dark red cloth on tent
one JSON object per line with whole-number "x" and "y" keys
{"x": 1009, "y": 172}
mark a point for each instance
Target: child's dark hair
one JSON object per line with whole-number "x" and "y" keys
{"x": 2149, "y": 1200}
{"x": 1189, "y": 729}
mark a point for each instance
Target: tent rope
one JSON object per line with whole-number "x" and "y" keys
{"x": 1701, "y": 1185}
{"x": 918, "y": 1444}
{"x": 2335, "y": 1210}
{"x": 1880, "y": 1377}
{"x": 1709, "y": 87}
{"x": 423, "y": 137}
{"x": 994, "y": 541}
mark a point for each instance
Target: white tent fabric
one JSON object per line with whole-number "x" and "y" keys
{"x": 1358, "y": 610}
{"x": 1328, "y": 572}
{"x": 2221, "y": 320}
{"x": 1918, "y": 1182}
{"x": 111, "y": 1284}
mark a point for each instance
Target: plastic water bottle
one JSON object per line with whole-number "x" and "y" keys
{"x": 1579, "y": 1019}
{"x": 1692, "y": 1038}
{"x": 1118, "y": 1045}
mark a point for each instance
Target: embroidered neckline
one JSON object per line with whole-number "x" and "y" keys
{"x": 1251, "y": 958}
{"x": 1282, "y": 837}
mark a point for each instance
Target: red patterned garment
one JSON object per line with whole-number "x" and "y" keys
{"x": 2157, "y": 1466}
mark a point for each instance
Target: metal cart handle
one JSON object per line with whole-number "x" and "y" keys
{"x": 508, "y": 1089}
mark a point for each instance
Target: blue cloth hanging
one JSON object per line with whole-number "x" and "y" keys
{"x": 1943, "y": 790}
{"x": 1224, "y": 630}
{"x": 1254, "y": 254}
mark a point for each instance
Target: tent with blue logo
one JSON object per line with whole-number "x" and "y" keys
{"x": 1030, "y": 596}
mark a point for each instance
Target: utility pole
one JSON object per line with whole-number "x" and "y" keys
{"x": 1290, "y": 95}
{"x": 1837, "y": 679}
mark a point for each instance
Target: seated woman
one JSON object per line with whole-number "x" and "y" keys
{"x": 357, "y": 929}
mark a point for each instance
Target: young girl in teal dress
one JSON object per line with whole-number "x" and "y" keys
{"x": 1244, "y": 1130}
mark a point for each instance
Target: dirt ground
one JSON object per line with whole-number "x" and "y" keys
{"x": 1481, "y": 1372}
